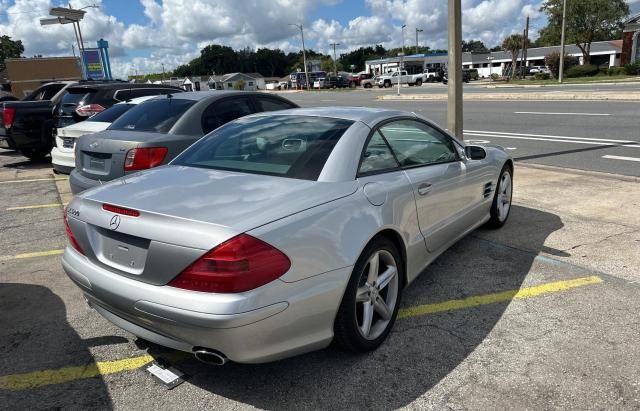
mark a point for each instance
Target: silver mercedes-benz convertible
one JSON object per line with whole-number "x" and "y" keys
{"x": 281, "y": 232}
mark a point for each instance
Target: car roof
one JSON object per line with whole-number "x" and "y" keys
{"x": 366, "y": 115}
{"x": 201, "y": 95}
{"x": 138, "y": 100}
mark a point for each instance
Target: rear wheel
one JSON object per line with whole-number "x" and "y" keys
{"x": 501, "y": 206}
{"x": 370, "y": 304}
{"x": 418, "y": 82}
{"x": 367, "y": 85}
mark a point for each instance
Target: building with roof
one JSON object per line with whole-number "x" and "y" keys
{"x": 228, "y": 81}
{"x": 603, "y": 53}
{"x": 630, "y": 37}
{"x": 27, "y": 74}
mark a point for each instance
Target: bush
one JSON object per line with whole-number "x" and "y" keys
{"x": 542, "y": 76}
{"x": 495, "y": 76}
{"x": 583, "y": 71}
{"x": 631, "y": 69}
{"x": 616, "y": 71}
{"x": 553, "y": 62}
{"x": 239, "y": 85}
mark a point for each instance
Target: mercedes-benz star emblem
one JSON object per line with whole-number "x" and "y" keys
{"x": 115, "y": 222}
{"x": 94, "y": 144}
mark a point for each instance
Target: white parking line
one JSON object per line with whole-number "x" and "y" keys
{"x": 555, "y": 140}
{"x": 552, "y": 136}
{"x": 622, "y": 158}
{"x": 560, "y": 114}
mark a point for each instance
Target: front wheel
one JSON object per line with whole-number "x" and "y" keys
{"x": 370, "y": 303}
{"x": 501, "y": 206}
{"x": 387, "y": 84}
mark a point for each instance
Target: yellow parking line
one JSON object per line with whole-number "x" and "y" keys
{"x": 478, "y": 300}
{"x": 30, "y": 180}
{"x": 31, "y": 255}
{"x": 31, "y": 207}
{"x": 35, "y": 379}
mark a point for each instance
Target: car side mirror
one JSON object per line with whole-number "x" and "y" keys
{"x": 475, "y": 152}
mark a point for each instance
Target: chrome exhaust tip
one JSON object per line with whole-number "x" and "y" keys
{"x": 210, "y": 357}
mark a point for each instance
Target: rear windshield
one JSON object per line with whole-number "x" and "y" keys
{"x": 154, "y": 115}
{"x": 287, "y": 146}
{"x": 73, "y": 97}
{"x": 112, "y": 113}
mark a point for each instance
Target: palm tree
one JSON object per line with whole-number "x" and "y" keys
{"x": 513, "y": 44}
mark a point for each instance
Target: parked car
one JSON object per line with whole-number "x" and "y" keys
{"x": 84, "y": 100}
{"x": 279, "y": 233}
{"x": 154, "y": 132}
{"x": 368, "y": 83}
{"x": 539, "y": 69}
{"x": 63, "y": 153}
{"x": 26, "y": 124}
{"x": 391, "y": 79}
{"x": 332, "y": 82}
{"x": 431, "y": 76}
{"x": 445, "y": 77}
{"x": 357, "y": 79}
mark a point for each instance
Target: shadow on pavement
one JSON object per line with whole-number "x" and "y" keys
{"x": 23, "y": 163}
{"x": 35, "y": 335}
{"x": 420, "y": 352}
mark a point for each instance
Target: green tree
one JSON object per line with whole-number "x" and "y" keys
{"x": 474, "y": 46}
{"x": 9, "y": 49}
{"x": 587, "y": 21}
{"x": 513, "y": 44}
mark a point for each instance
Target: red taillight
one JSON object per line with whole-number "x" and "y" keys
{"x": 70, "y": 236}
{"x": 239, "y": 264}
{"x": 143, "y": 158}
{"x": 89, "y": 110}
{"x": 8, "y": 114}
{"x": 121, "y": 210}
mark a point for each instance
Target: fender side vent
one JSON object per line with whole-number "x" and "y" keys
{"x": 488, "y": 188}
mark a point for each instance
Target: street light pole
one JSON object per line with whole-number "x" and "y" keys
{"x": 335, "y": 65}
{"x": 454, "y": 103}
{"x": 163, "y": 73}
{"x": 564, "y": 18}
{"x": 417, "y": 31}
{"x": 304, "y": 53}
{"x": 403, "y": 27}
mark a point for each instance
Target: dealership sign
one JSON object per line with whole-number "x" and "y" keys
{"x": 93, "y": 64}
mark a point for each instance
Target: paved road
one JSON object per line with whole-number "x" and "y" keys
{"x": 598, "y": 136}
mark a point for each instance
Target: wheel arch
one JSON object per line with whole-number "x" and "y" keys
{"x": 396, "y": 238}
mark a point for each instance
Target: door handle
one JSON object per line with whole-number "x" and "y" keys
{"x": 424, "y": 189}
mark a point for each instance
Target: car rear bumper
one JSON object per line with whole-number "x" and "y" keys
{"x": 5, "y": 140}
{"x": 79, "y": 183}
{"x": 275, "y": 321}
{"x": 62, "y": 161}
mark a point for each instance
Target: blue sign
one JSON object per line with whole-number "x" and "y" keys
{"x": 93, "y": 64}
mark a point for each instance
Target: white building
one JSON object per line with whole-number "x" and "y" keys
{"x": 603, "y": 53}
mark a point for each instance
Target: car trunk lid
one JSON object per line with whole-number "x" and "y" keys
{"x": 183, "y": 213}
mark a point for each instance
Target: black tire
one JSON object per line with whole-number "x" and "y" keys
{"x": 418, "y": 82}
{"x": 367, "y": 85}
{"x": 496, "y": 221}
{"x": 387, "y": 84}
{"x": 36, "y": 154}
{"x": 346, "y": 330}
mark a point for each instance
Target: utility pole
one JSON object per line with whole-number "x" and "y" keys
{"x": 304, "y": 55}
{"x": 417, "y": 31}
{"x": 162, "y": 73}
{"x": 564, "y": 18}
{"x": 454, "y": 103}
{"x": 335, "y": 64}
{"x": 403, "y": 27}
{"x": 525, "y": 44}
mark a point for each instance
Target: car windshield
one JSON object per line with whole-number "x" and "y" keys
{"x": 285, "y": 145}
{"x": 154, "y": 115}
{"x": 112, "y": 113}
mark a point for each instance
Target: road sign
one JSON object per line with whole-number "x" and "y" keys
{"x": 93, "y": 64}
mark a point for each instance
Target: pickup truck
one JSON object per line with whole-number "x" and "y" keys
{"x": 391, "y": 79}
{"x": 26, "y": 124}
{"x": 431, "y": 76}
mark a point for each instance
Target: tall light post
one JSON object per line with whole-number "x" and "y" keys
{"x": 454, "y": 102}
{"x": 335, "y": 64}
{"x": 564, "y": 18}
{"x": 162, "y": 73}
{"x": 63, "y": 15}
{"x": 417, "y": 31}
{"x": 400, "y": 67}
{"x": 304, "y": 53}
{"x": 403, "y": 27}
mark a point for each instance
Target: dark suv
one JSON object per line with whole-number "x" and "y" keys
{"x": 84, "y": 100}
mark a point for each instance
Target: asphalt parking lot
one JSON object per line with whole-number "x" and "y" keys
{"x": 540, "y": 314}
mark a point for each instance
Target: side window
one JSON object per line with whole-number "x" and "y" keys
{"x": 272, "y": 104}
{"x": 415, "y": 143}
{"x": 377, "y": 156}
{"x": 222, "y": 112}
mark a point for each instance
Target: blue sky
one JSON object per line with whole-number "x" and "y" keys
{"x": 144, "y": 34}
